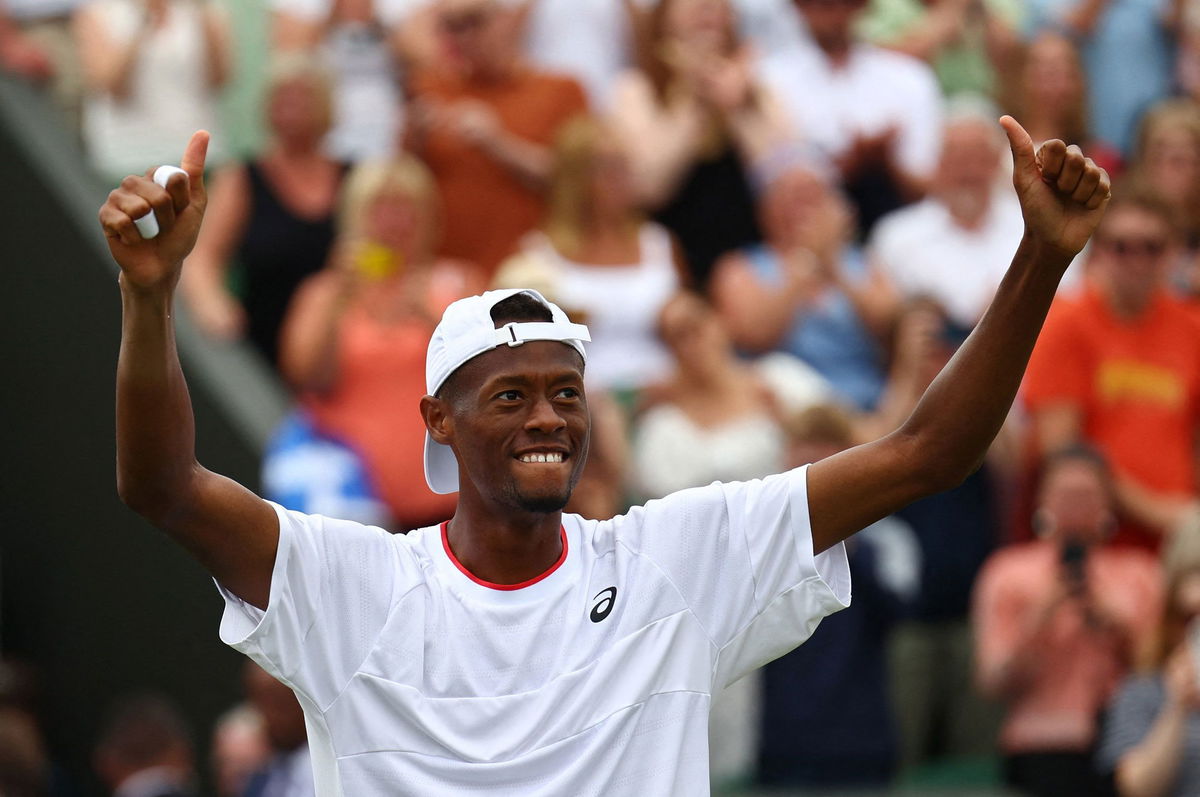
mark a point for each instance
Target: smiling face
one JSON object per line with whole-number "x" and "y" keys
{"x": 518, "y": 422}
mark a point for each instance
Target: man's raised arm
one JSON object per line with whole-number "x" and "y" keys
{"x": 231, "y": 531}
{"x": 1062, "y": 195}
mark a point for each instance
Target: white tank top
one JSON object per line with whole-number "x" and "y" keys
{"x": 169, "y": 97}
{"x": 622, "y": 305}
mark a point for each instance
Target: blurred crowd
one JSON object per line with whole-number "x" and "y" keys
{"x": 779, "y": 219}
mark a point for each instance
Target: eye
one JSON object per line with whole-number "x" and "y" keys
{"x": 569, "y": 393}
{"x": 509, "y": 395}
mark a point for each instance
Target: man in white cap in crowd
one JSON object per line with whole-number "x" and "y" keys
{"x": 516, "y": 649}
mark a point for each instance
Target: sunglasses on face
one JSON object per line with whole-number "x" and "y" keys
{"x": 464, "y": 23}
{"x": 1134, "y": 247}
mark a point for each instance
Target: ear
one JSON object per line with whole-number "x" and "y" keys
{"x": 438, "y": 419}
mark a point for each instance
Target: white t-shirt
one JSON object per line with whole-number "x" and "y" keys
{"x": 924, "y": 253}
{"x": 873, "y": 90}
{"x": 593, "y": 679}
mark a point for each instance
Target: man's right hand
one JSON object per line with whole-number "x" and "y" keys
{"x": 155, "y": 263}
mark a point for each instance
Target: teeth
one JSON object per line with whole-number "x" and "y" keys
{"x": 542, "y": 458}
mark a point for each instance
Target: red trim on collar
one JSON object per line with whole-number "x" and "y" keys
{"x": 505, "y": 587}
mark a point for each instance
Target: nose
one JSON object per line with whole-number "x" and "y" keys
{"x": 543, "y": 417}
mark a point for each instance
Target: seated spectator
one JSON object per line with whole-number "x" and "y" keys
{"x": 806, "y": 290}
{"x": 145, "y": 750}
{"x": 364, "y": 44}
{"x": 1058, "y": 621}
{"x": 695, "y": 120}
{"x": 1051, "y": 95}
{"x": 599, "y": 258}
{"x": 353, "y": 344}
{"x": 240, "y": 748}
{"x": 289, "y": 771}
{"x": 270, "y": 220}
{"x": 838, "y": 731}
{"x": 970, "y": 45}
{"x": 1127, "y": 55}
{"x": 485, "y": 125}
{"x": 1119, "y": 367}
{"x": 714, "y": 419}
{"x": 152, "y": 71}
{"x": 873, "y": 112}
{"x": 954, "y": 246}
{"x": 1152, "y": 729}
{"x": 1167, "y": 159}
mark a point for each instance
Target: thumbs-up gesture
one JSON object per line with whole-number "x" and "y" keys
{"x": 1063, "y": 194}
{"x": 179, "y": 208}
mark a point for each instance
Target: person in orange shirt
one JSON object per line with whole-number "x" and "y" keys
{"x": 484, "y": 124}
{"x": 353, "y": 344}
{"x": 1057, "y": 622}
{"x": 1119, "y": 367}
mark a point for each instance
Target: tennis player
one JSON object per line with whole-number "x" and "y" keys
{"x": 517, "y": 650}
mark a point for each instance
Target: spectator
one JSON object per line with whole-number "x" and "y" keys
{"x": 940, "y": 716}
{"x": 289, "y": 772}
{"x": 271, "y": 216}
{"x": 1051, "y": 98}
{"x": 806, "y": 289}
{"x": 874, "y": 112}
{"x": 969, "y": 43}
{"x": 365, "y": 45}
{"x": 353, "y": 344}
{"x": 24, "y": 765}
{"x": 1058, "y": 621}
{"x": 1167, "y": 159}
{"x": 953, "y": 246}
{"x": 1152, "y": 733}
{"x": 36, "y": 42}
{"x": 695, "y": 120}
{"x": 1119, "y": 367}
{"x": 1127, "y": 54}
{"x": 152, "y": 69}
{"x": 145, "y": 750}
{"x": 838, "y": 732}
{"x": 240, "y": 748}
{"x": 601, "y": 259}
{"x": 715, "y": 418}
{"x": 485, "y": 129}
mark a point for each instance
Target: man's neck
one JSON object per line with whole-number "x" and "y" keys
{"x": 501, "y": 546}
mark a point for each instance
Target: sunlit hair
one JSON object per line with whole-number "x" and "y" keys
{"x": 826, "y": 423}
{"x": 1136, "y": 193}
{"x": 1179, "y": 114}
{"x": 288, "y": 67}
{"x": 575, "y": 153}
{"x": 404, "y": 175}
{"x": 1180, "y": 558}
{"x": 652, "y": 50}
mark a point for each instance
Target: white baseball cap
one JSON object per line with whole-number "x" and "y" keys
{"x": 467, "y": 331}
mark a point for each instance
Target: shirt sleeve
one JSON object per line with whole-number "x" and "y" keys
{"x": 1131, "y": 715}
{"x": 741, "y": 557}
{"x": 331, "y": 590}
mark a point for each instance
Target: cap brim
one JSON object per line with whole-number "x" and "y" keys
{"x": 441, "y": 467}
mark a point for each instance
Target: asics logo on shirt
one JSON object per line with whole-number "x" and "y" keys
{"x": 605, "y": 606}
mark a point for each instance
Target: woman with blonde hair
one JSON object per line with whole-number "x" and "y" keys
{"x": 270, "y": 219}
{"x": 600, "y": 257}
{"x": 353, "y": 344}
{"x": 1167, "y": 158}
{"x": 697, "y": 121}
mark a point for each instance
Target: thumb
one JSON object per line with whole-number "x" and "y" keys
{"x": 1024, "y": 158}
{"x": 193, "y": 161}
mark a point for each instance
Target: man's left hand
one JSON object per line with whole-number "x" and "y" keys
{"x": 1063, "y": 194}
